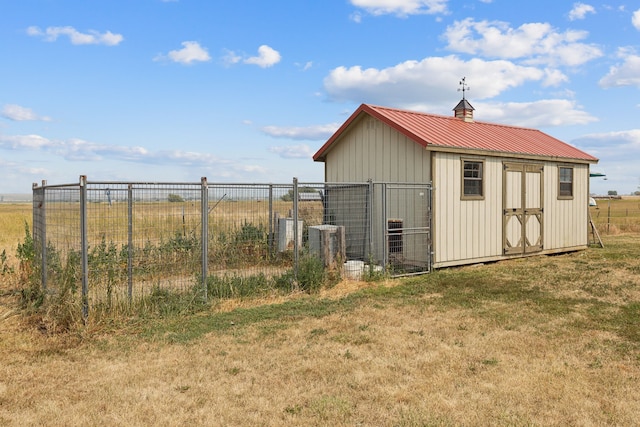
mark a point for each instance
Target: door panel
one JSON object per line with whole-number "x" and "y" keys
{"x": 533, "y": 208}
{"x": 513, "y": 214}
{"x": 522, "y": 208}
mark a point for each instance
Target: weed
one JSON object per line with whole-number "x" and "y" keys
{"x": 318, "y": 332}
{"x": 227, "y": 287}
{"x": 4, "y": 267}
{"x": 61, "y": 307}
{"x": 373, "y": 272}
{"x": 293, "y": 410}
{"x": 285, "y": 282}
{"x": 233, "y": 371}
{"x": 331, "y": 408}
{"x": 311, "y": 274}
{"x": 596, "y": 364}
{"x": 32, "y": 294}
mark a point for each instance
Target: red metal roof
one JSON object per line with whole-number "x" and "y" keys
{"x": 451, "y": 132}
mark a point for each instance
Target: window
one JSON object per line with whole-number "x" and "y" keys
{"x": 565, "y": 183}
{"x": 472, "y": 179}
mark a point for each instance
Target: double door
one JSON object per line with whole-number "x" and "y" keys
{"x": 523, "y": 210}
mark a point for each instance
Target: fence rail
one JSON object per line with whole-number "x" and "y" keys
{"x": 614, "y": 215}
{"x": 122, "y": 240}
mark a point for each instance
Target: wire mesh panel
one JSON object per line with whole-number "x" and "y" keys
{"x": 56, "y": 235}
{"x": 349, "y": 205}
{"x": 407, "y": 225}
{"x": 122, "y": 240}
{"x": 244, "y": 236}
{"x": 142, "y": 237}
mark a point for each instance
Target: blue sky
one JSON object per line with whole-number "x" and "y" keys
{"x": 247, "y": 90}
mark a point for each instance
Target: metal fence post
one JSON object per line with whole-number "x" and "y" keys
{"x": 270, "y": 241}
{"x": 384, "y": 225}
{"x": 204, "y": 235}
{"x": 130, "y": 242}
{"x": 295, "y": 228}
{"x": 39, "y": 232}
{"x": 370, "y": 220}
{"x": 84, "y": 247}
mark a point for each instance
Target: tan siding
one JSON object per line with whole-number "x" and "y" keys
{"x": 566, "y": 220}
{"x": 466, "y": 229}
{"x": 373, "y": 150}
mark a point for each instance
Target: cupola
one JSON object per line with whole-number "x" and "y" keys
{"x": 464, "y": 110}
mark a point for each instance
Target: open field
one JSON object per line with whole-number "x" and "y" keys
{"x": 617, "y": 215}
{"x": 13, "y": 218}
{"x": 552, "y": 340}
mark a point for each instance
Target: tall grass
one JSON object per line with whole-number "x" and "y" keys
{"x": 13, "y": 217}
{"x": 613, "y": 216}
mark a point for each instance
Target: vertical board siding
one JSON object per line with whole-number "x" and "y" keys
{"x": 566, "y": 220}
{"x": 373, "y": 150}
{"x": 466, "y": 229}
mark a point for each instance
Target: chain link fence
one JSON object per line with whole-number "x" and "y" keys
{"x": 122, "y": 240}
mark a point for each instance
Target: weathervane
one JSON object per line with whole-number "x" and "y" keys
{"x": 464, "y": 85}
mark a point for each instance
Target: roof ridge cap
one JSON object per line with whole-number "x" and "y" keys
{"x": 422, "y": 113}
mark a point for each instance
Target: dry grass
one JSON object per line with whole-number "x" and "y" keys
{"x": 12, "y": 221}
{"x": 617, "y": 215}
{"x": 538, "y": 341}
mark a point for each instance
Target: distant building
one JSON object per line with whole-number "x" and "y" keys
{"x": 309, "y": 197}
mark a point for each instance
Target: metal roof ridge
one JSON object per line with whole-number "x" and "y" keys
{"x": 480, "y": 122}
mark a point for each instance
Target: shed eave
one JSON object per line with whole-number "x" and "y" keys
{"x": 509, "y": 154}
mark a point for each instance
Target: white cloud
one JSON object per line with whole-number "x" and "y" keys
{"x": 401, "y": 7}
{"x": 318, "y": 132}
{"x": 17, "y": 176}
{"x": 535, "y": 43}
{"x": 615, "y": 150}
{"x": 79, "y": 150}
{"x": 191, "y": 52}
{"x": 25, "y": 142}
{"x": 635, "y": 19}
{"x": 580, "y": 11}
{"x": 267, "y": 57}
{"x": 77, "y": 38}
{"x": 536, "y": 114}
{"x": 231, "y": 58}
{"x": 554, "y": 77}
{"x": 427, "y": 84}
{"x": 620, "y": 145}
{"x": 300, "y": 151}
{"x": 356, "y": 17}
{"x": 625, "y": 74}
{"x": 307, "y": 66}
{"x": 18, "y": 113}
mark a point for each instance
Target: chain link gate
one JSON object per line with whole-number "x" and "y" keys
{"x": 407, "y": 228}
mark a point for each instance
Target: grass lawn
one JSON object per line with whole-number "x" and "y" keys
{"x": 549, "y": 340}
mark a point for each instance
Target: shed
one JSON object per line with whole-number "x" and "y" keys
{"x": 498, "y": 191}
